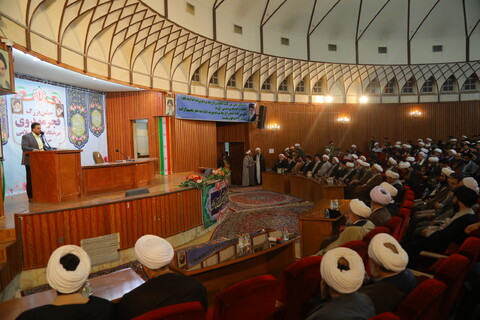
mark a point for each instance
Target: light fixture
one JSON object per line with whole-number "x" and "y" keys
{"x": 273, "y": 127}
{"x": 328, "y": 99}
{"x": 343, "y": 120}
{"x": 318, "y": 99}
{"x": 363, "y": 99}
{"x": 416, "y": 113}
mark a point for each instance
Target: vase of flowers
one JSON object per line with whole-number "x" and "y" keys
{"x": 194, "y": 181}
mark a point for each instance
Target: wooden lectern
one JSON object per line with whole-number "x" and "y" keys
{"x": 56, "y": 175}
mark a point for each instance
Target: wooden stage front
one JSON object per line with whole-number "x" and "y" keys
{"x": 41, "y": 228}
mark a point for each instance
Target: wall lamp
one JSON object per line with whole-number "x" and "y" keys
{"x": 343, "y": 120}
{"x": 416, "y": 113}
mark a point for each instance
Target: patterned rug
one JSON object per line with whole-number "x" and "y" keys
{"x": 248, "y": 221}
{"x": 257, "y": 199}
{"x": 134, "y": 265}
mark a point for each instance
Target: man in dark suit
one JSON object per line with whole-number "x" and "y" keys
{"x": 32, "y": 141}
{"x": 308, "y": 164}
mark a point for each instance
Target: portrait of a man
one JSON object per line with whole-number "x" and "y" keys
{"x": 5, "y": 70}
{"x": 169, "y": 106}
{"x": 251, "y": 116}
{"x": 59, "y": 110}
{"x": 17, "y": 105}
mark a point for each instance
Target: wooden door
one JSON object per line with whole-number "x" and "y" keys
{"x": 237, "y": 153}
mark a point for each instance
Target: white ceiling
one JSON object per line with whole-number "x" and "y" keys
{"x": 32, "y": 66}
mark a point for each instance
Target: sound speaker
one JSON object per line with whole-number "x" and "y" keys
{"x": 262, "y": 115}
{"x": 136, "y": 192}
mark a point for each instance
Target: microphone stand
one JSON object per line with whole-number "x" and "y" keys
{"x": 127, "y": 158}
{"x": 45, "y": 143}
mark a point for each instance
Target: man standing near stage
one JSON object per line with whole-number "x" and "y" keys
{"x": 32, "y": 141}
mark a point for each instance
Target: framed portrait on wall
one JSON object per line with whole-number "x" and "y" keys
{"x": 169, "y": 106}
{"x": 6, "y": 70}
{"x": 1, "y": 146}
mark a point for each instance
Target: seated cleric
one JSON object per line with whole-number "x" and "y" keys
{"x": 67, "y": 271}
{"x": 164, "y": 287}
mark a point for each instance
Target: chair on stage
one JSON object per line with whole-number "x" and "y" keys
{"x": 299, "y": 282}
{"x": 181, "y": 311}
{"x": 424, "y": 302}
{"x": 250, "y": 299}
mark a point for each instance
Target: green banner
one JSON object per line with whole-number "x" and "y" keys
{"x": 214, "y": 202}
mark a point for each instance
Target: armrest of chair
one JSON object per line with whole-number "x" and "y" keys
{"x": 420, "y": 274}
{"x": 433, "y": 255}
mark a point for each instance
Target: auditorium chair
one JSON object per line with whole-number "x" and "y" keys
{"x": 299, "y": 282}
{"x": 424, "y": 302}
{"x": 181, "y": 311}
{"x": 385, "y": 316}
{"x": 407, "y": 204}
{"x": 395, "y": 225}
{"x": 404, "y": 213}
{"x": 359, "y": 247}
{"x": 253, "y": 298}
{"x": 368, "y": 237}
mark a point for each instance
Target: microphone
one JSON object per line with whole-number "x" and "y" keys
{"x": 127, "y": 158}
{"x": 46, "y": 145}
{"x": 42, "y": 133}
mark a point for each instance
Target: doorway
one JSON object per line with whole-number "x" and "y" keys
{"x": 236, "y": 154}
{"x": 140, "y": 138}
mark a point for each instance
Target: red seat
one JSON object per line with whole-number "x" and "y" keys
{"x": 250, "y": 299}
{"x": 299, "y": 282}
{"x": 368, "y": 237}
{"x": 424, "y": 302}
{"x": 452, "y": 272}
{"x": 359, "y": 247}
{"x": 188, "y": 310}
{"x": 385, "y": 316}
{"x": 395, "y": 225}
{"x": 407, "y": 204}
{"x": 404, "y": 213}
{"x": 470, "y": 248}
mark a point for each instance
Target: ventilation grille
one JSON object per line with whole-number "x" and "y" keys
{"x": 437, "y": 48}
{"x": 237, "y": 29}
{"x": 332, "y": 47}
{"x": 190, "y": 8}
{"x": 382, "y": 49}
{"x": 285, "y": 41}
{"x": 102, "y": 249}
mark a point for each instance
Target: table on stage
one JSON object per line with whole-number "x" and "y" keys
{"x": 309, "y": 189}
{"x": 315, "y": 228}
{"x": 111, "y": 286}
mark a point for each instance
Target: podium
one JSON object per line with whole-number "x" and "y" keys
{"x": 56, "y": 175}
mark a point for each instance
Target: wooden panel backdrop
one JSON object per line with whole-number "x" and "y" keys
{"x": 313, "y": 125}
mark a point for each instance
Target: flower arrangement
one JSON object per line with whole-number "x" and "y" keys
{"x": 195, "y": 181}
{"x": 219, "y": 174}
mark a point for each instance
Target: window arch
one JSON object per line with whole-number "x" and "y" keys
{"x": 450, "y": 85}
{"x": 391, "y": 87}
{"x": 317, "y": 87}
{"x": 410, "y": 87}
{"x": 373, "y": 87}
{"x": 196, "y": 75}
{"x": 471, "y": 84}
{"x": 429, "y": 86}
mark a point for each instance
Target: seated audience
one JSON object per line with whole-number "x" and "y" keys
{"x": 357, "y": 225}
{"x": 364, "y": 189}
{"x": 308, "y": 167}
{"x": 391, "y": 282}
{"x": 291, "y": 164}
{"x": 438, "y": 194}
{"x": 298, "y": 165}
{"x": 437, "y": 238}
{"x": 324, "y": 167}
{"x": 392, "y": 206}
{"x": 164, "y": 287}
{"x": 67, "y": 271}
{"x": 342, "y": 272}
{"x": 281, "y": 163}
{"x": 380, "y": 199}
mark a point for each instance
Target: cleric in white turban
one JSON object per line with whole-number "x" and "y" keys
{"x": 67, "y": 271}
{"x": 163, "y": 286}
{"x": 392, "y": 206}
{"x": 391, "y": 282}
{"x": 380, "y": 198}
{"x": 357, "y": 225}
{"x": 342, "y": 272}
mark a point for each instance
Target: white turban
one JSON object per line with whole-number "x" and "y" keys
{"x": 325, "y": 157}
{"x": 350, "y": 164}
{"x": 398, "y": 146}
{"x": 411, "y": 159}
{"x": 424, "y": 150}
{"x": 438, "y": 150}
{"x": 380, "y": 195}
{"x": 453, "y": 151}
{"x": 363, "y": 158}
{"x": 354, "y": 156}
{"x": 447, "y": 171}
{"x": 248, "y": 152}
{"x": 433, "y": 159}
{"x": 287, "y": 149}
{"x": 386, "y": 257}
{"x": 354, "y": 146}
{"x": 281, "y": 155}
{"x": 153, "y": 252}
{"x": 406, "y": 146}
{"x": 297, "y": 144}
{"x": 378, "y": 167}
{"x": 467, "y": 142}
{"x": 404, "y": 165}
{"x": 61, "y": 279}
{"x": 398, "y": 142}
{"x": 420, "y": 140}
{"x": 365, "y": 164}
{"x": 421, "y": 144}
{"x": 391, "y": 189}
{"x": 423, "y": 154}
{"x": 392, "y": 174}
{"x": 429, "y": 139}
{"x": 392, "y": 161}
{"x": 464, "y": 137}
{"x": 376, "y": 144}
{"x": 453, "y": 140}
{"x": 336, "y": 159}
{"x": 257, "y": 149}
{"x": 360, "y": 208}
{"x": 470, "y": 183}
{"x": 346, "y": 280}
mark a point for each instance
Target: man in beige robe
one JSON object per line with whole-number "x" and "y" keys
{"x": 248, "y": 177}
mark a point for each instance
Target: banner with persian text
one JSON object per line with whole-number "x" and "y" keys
{"x": 214, "y": 202}
{"x": 194, "y": 108}
{"x": 72, "y": 118}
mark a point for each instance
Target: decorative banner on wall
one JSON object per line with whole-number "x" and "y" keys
{"x": 96, "y": 114}
{"x": 164, "y": 134}
{"x": 214, "y": 202}
{"x": 3, "y": 120}
{"x": 77, "y": 117}
{"x": 194, "y": 108}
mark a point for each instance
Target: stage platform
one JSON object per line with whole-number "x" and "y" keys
{"x": 42, "y": 227}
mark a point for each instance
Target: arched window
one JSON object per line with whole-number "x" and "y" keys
{"x": 390, "y": 87}
{"x": 214, "y": 78}
{"x": 471, "y": 84}
{"x": 428, "y": 86}
{"x": 196, "y": 76}
{"x": 249, "y": 83}
{"x": 409, "y": 87}
{"x": 283, "y": 86}
{"x": 317, "y": 88}
{"x": 373, "y": 87}
{"x": 450, "y": 85}
{"x": 267, "y": 85}
{"x": 300, "y": 87}
{"x": 232, "y": 82}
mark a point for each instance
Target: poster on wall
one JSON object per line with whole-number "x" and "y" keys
{"x": 214, "y": 202}
{"x": 59, "y": 114}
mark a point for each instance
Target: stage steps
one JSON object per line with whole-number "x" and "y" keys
{"x": 10, "y": 261}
